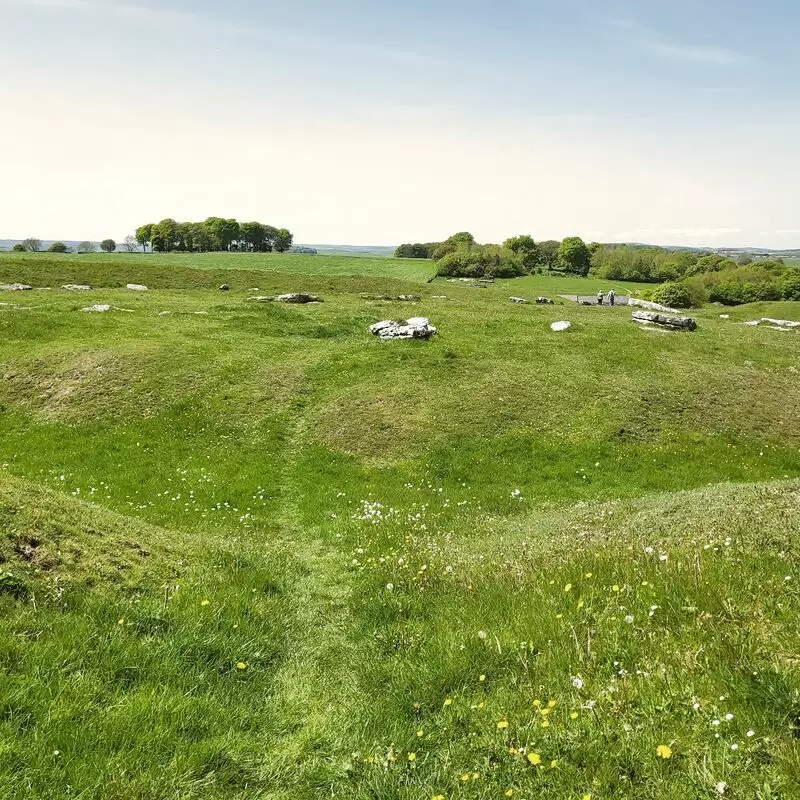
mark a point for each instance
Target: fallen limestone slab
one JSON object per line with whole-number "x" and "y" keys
{"x": 562, "y": 325}
{"x": 546, "y": 301}
{"x": 752, "y": 323}
{"x": 634, "y": 301}
{"x": 412, "y": 328}
{"x": 292, "y": 297}
{"x": 224, "y": 287}
{"x": 724, "y": 316}
{"x": 667, "y": 320}
{"x": 781, "y": 323}
{"x": 137, "y": 287}
{"x": 98, "y": 308}
{"x": 15, "y": 287}
{"x": 409, "y": 298}
{"x": 518, "y": 300}
{"x": 76, "y": 287}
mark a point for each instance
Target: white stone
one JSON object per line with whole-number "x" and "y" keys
{"x": 137, "y": 287}
{"x": 563, "y": 325}
{"x": 98, "y": 308}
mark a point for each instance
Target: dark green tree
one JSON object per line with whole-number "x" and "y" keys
{"x": 144, "y": 236}
{"x": 283, "y": 240}
{"x": 108, "y": 245}
{"x": 526, "y": 250}
{"x": 58, "y": 247}
{"x": 574, "y": 256}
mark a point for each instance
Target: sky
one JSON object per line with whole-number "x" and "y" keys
{"x": 372, "y": 122}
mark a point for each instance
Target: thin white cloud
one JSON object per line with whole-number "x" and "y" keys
{"x": 126, "y": 11}
{"x": 661, "y": 46}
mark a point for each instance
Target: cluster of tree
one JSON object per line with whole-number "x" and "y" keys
{"x": 732, "y": 284}
{"x": 33, "y": 245}
{"x": 461, "y": 256}
{"x": 214, "y": 234}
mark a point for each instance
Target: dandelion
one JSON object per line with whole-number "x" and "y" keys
{"x": 573, "y": 715}
{"x": 509, "y": 792}
{"x": 241, "y": 665}
{"x": 448, "y": 701}
{"x": 482, "y": 678}
{"x": 437, "y": 797}
{"x": 615, "y": 587}
{"x": 568, "y": 587}
{"x": 465, "y": 777}
{"x": 664, "y": 751}
{"x": 121, "y": 621}
{"x": 588, "y": 575}
{"x": 551, "y": 703}
{"x": 475, "y": 775}
{"x": 535, "y": 759}
{"x": 545, "y": 724}
{"x": 420, "y": 733}
{"x": 502, "y": 725}
{"x": 205, "y": 602}
{"x": 412, "y": 756}
{"x": 586, "y": 797}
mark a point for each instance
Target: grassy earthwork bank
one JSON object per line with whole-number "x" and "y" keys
{"x": 249, "y": 551}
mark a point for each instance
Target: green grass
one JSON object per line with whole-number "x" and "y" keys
{"x": 100, "y": 265}
{"x": 253, "y": 552}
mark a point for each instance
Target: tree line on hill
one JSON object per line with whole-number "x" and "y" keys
{"x": 34, "y": 245}
{"x": 462, "y": 256}
{"x": 213, "y": 235}
{"x": 686, "y": 277}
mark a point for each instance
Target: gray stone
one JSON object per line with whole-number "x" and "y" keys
{"x": 224, "y": 288}
{"x": 667, "y": 320}
{"x": 292, "y": 297}
{"x": 98, "y": 308}
{"x": 518, "y": 300}
{"x": 15, "y": 287}
{"x": 409, "y": 298}
{"x": 781, "y": 323}
{"x": 76, "y": 287}
{"x": 412, "y": 328}
{"x": 137, "y": 287}
{"x": 545, "y": 301}
{"x": 635, "y": 301}
{"x": 562, "y": 325}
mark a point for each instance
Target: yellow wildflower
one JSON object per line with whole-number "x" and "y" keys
{"x": 508, "y": 792}
{"x": 588, "y": 575}
{"x": 482, "y": 678}
{"x": 537, "y": 703}
{"x": 475, "y": 775}
{"x": 545, "y": 724}
{"x": 581, "y": 604}
{"x": 205, "y": 602}
{"x": 420, "y": 733}
{"x": 664, "y": 751}
{"x": 241, "y": 665}
{"x": 449, "y": 701}
{"x": 615, "y": 587}
{"x": 534, "y": 759}
{"x": 441, "y": 797}
{"x": 554, "y": 764}
{"x": 585, "y": 797}
{"x": 551, "y": 703}
{"x": 545, "y": 711}
{"x": 559, "y": 616}
{"x": 568, "y": 587}
{"x": 465, "y": 776}
{"x": 481, "y": 705}
{"x": 502, "y": 725}
{"x": 573, "y": 715}
{"x": 122, "y": 621}
{"x": 412, "y": 756}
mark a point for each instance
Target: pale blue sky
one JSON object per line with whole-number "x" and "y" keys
{"x": 375, "y": 122}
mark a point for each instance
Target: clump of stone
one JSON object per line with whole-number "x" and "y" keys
{"x": 292, "y": 297}
{"x": 15, "y": 287}
{"x": 413, "y": 328}
{"x": 546, "y": 301}
{"x": 665, "y": 320}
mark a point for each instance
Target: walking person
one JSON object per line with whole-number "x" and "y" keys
{"x": 600, "y": 298}
{"x": 612, "y": 295}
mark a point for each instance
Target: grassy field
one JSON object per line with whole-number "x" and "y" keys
{"x": 99, "y": 265}
{"x": 249, "y": 551}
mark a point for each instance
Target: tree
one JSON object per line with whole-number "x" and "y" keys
{"x": 574, "y": 256}
{"x": 283, "y": 240}
{"x": 32, "y": 244}
{"x": 58, "y": 247}
{"x": 417, "y": 250}
{"x": 130, "y": 244}
{"x": 526, "y": 251}
{"x": 144, "y": 236}
{"x": 87, "y": 247}
{"x": 18, "y": 248}
{"x": 164, "y": 236}
{"x": 108, "y": 245}
{"x": 254, "y": 236}
{"x": 548, "y": 253}
{"x": 458, "y": 241}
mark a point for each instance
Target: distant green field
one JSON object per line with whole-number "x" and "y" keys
{"x": 248, "y": 551}
{"x": 286, "y": 263}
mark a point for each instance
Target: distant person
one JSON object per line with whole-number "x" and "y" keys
{"x": 612, "y": 295}
{"x": 600, "y": 298}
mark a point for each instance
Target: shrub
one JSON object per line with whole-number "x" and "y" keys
{"x": 18, "y": 248}
{"x": 790, "y": 285}
{"x": 58, "y": 247}
{"x": 678, "y": 295}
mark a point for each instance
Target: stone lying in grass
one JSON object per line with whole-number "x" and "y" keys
{"x": 634, "y": 301}
{"x": 76, "y": 287}
{"x": 518, "y": 300}
{"x": 667, "y": 320}
{"x": 407, "y": 298}
{"x": 98, "y": 308}
{"x": 292, "y": 297}
{"x": 545, "y": 301}
{"x": 561, "y": 325}
{"x": 413, "y": 328}
{"x": 15, "y": 287}
{"x": 224, "y": 288}
{"x": 781, "y": 323}
{"x": 137, "y": 287}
